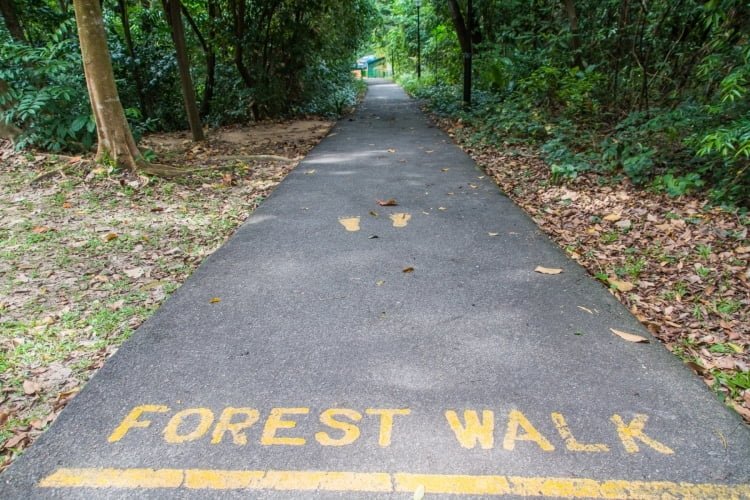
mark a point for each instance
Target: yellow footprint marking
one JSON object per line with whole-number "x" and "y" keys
{"x": 400, "y": 219}
{"x": 350, "y": 223}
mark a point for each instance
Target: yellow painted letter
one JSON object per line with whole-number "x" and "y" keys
{"x": 473, "y": 431}
{"x": 634, "y": 430}
{"x": 386, "y": 423}
{"x": 570, "y": 441}
{"x": 237, "y": 428}
{"x": 206, "y": 418}
{"x": 275, "y": 422}
{"x": 517, "y": 419}
{"x": 132, "y": 421}
{"x": 351, "y": 431}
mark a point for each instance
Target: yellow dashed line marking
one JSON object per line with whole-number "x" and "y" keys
{"x": 383, "y": 482}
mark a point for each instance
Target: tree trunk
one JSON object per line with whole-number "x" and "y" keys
{"x": 115, "y": 141}
{"x": 8, "y": 9}
{"x": 172, "y": 9}
{"x": 238, "y": 12}
{"x": 208, "y": 51}
{"x": 575, "y": 41}
{"x": 125, "y": 19}
{"x": 464, "y": 39}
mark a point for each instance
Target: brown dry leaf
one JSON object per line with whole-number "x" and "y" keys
{"x": 134, "y": 273}
{"x": 30, "y": 387}
{"x": 745, "y": 412}
{"x": 4, "y": 415}
{"x": 586, "y": 309}
{"x": 622, "y": 286}
{"x": 41, "y": 229}
{"x": 67, "y": 204}
{"x": 547, "y": 270}
{"x": 16, "y": 441}
{"x": 388, "y": 203}
{"x": 215, "y": 300}
{"x": 408, "y": 270}
{"x": 109, "y": 236}
{"x": 613, "y": 217}
{"x": 391, "y": 150}
{"x": 444, "y": 169}
{"x": 630, "y": 337}
{"x": 742, "y": 250}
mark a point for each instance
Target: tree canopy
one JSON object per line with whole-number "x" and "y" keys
{"x": 655, "y": 90}
{"x": 248, "y": 59}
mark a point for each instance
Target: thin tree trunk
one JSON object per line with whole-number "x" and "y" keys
{"x": 575, "y": 41}
{"x": 464, "y": 39}
{"x": 172, "y": 9}
{"x": 208, "y": 51}
{"x": 10, "y": 14}
{"x": 238, "y": 12}
{"x": 125, "y": 19}
{"x": 115, "y": 141}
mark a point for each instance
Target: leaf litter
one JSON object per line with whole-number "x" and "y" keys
{"x": 681, "y": 265}
{"x": 88, "y": 253}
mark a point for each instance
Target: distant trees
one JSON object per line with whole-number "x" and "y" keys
{"x": 250, "y": 59}
{"x": 656, "y": 91}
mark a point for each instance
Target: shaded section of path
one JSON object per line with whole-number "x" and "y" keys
{"x": 373, "y": 351}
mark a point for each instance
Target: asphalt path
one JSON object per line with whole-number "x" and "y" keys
{"x": 367, "y": 351}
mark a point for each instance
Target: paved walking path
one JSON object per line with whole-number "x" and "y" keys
{"x": 361, "y": 351}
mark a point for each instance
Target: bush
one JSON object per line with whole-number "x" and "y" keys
{"x": 46, "y": 93}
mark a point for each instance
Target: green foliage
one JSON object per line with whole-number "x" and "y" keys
{"x": 655, "y": 91}
{"x": 46, "y": 93}
{"x": 296, "y": 55}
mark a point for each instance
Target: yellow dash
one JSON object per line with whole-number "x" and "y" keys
{"x": 350, "y": 223}
{"x": 114, "y": 478}
{"x": 224, "y": 479}
{"x": 402, "y": 482}
{"x": 452, "y": 484}
{"x": 400, "y": 219}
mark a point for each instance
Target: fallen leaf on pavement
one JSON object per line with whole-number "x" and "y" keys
{"x": 586, "y": 309}
{"x": 630, "y": 337}
{"x": 408, "y": 270}
{"x": 388, "y": 203}
{"x": 493, "y": 234}
{"x": 547, "y": 270}
{"x": 215, "y": 300}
